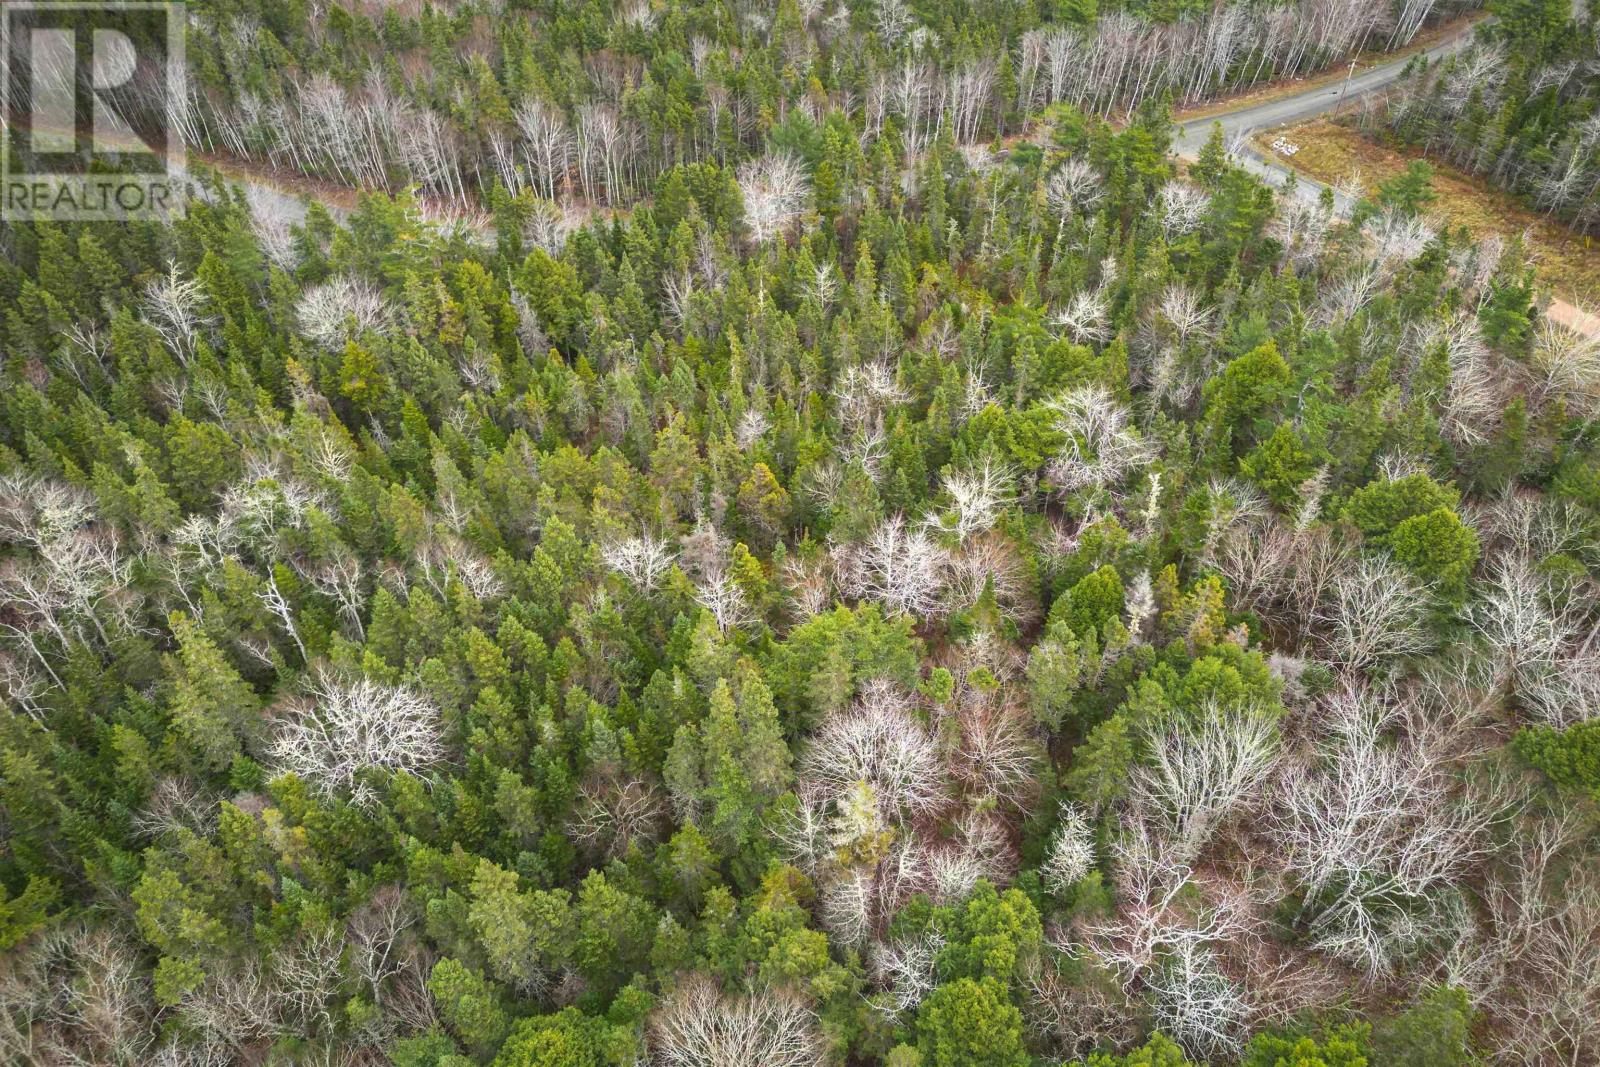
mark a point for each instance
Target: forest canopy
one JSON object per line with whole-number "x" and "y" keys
{"x": 808, "y": 582}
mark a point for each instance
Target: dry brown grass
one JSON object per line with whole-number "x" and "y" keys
{"x": 1568, "y": 264}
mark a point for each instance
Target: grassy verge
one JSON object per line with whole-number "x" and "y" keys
{"x": 1569, "y": 264}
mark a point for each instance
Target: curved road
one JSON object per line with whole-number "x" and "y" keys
{"x": 1190, "y": 136}
{"x": 1239, "y": 124}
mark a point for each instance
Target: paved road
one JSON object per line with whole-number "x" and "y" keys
{"x": 1237, "y": 126}
{"x": 1240, "y": 124}
{"x": 1190, "y": 137}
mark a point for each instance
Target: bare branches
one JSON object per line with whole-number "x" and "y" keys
{"x": 906, "y": 970}
{"x": 375, "y": 933}
{"x": 1181, "y": 310}
{"x": 1375, "y": 831}
{"x": 1567, "y": 363}
{"x": 349, "y": 727}
{"x": 977, "y": 495}
{"x": 1394, "y": 238}
{"x": 233, "y": 1008}
{"x": 548, "y": 143}
{"x": 176, "y": 804}
{"x": 1375, "y": 613}
{"x": 880, "y": 743}
{"x": 342, "y": 309}
{"x": 898, "y": 567}
{"x": 1102, "y": 447}
{"x": 76, "y": 996}
{"x": 698, "y": 1026}
{"x": 1182, "y": 208}
{"x": 1125, "y": 59}
{"x": 1301, "y": 227}
{"x": 863, "y": 391}
{"x": 642, "y": 560}
{"x": 1164, "y": 940}
{"x": 775, "y": 191}
{"x": 1538, "y": 967}
{"x": 1073, "y": 187}
{"x": 1200, "y": 770}
{"x": 1540, "y": 640}
{"x": 71, "y": 578}
{"x": 446, "y": 558}
{"x": 1085, "y": 318}
{"x": 1194, "y": 1001}
{"x": 999, "y": 753}
{"x": 717, "y": 592}
{"x": 36, "y": 512}
{"x": 308, "y": 973}
{"x": 1071, "y": 854}
{"x": 612, "y": 816}
{"x": 175, "y": 307}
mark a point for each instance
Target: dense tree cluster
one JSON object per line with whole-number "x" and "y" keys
{"x": 585, "y": 103}
{"x": 1521, "y": 107}
{"x": 881, "y": 601}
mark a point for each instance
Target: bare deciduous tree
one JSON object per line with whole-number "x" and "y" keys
{"x": 76, "y": 996}
{"x": 1567, "y": 363}
{"x": 1165, "y": 937}
{"x": 899, "y": 567}
{"x": 1080, "y": 1011}
{"x": 906, "y": 970}
{"x": 176, "y": 804}
{"x": 1375, "y": 829}
{"x": 775, "y": 191}
{"x": 999, "y": 753}
{"x": 548, "y": 143}
{"x": 1073, "y": 187}
{"x": 233, "y": 1008}
{"x": 977, "y": 495}
{"x": 879, "y": 742}
{"x": 341, "y": 309}
{"x": 699, "y": 1026}
{"x": 642, "y": 560}
{"x": 611, "y": 816}
{"x": 847, "y": 906}
{"x": 308, "y": 973}
{"x": 37, "y": 512}
{"x": 1540, "y": 640}
{"x": 1200, "y": 770}
{"x": 717, "y": 592}
{"x": 1102, "y": 447}
{"x": 375, "y": 933}
{"x": 1071, "y": 854}
{"x": 1183, "y": 208}
{"x": 1374, "y": 613}
{"x": 989, "y": 563}
{"x": 809, "y": 583}
{"x": 1194, "y": 1001}
{"x": 1182, "y": 311}
{"x": 175, "y": 307}
{"x": 443, "y": 559}
{"x": 347, "y": 727}
{"x": 1536, "y": 970}
{"x": 1085, "y": 317}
